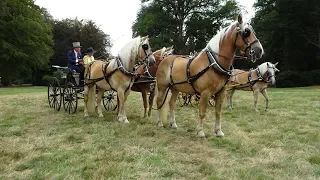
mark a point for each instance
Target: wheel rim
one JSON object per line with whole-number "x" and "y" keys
{"x": 110, "y": 100}
{"x": 195, "y": 100}
{"x": 186, "y": 98}
{"x": 180, "y": 99}
{"x": 54, "y": 94}
{"x": 212, "y": 101}
{"x": 70, "y": 99}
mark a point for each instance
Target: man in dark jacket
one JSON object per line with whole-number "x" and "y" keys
{"x": 75, "y": 62}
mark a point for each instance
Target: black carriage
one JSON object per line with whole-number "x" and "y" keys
{"x": 64, "y": 88}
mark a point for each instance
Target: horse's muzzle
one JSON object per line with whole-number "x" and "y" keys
{"x": 151, "y": 60}
{"x": 256, "y": 52}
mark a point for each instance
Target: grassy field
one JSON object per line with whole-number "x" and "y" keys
{"x": 38, "y": 143}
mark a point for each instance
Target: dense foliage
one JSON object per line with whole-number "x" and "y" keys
{"x": 186, "y": 24}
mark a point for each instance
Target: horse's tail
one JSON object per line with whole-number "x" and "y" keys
{"x": 91, "y": 98}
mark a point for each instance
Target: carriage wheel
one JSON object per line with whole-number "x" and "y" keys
{"x": 70, "y": 98}
{"x": 110, "y": 100}
{"x": 180, "y": 99}
{"x": 195, "y": 100}
{"x": 183, "y": 99}
{"x": 54, "y": 94}
{"x": 212, "y": 101}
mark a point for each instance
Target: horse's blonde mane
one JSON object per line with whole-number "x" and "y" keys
{"x": 128, "y": 53}
{"x": 214, "y": 43}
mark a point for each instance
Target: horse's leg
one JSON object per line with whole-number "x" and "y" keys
{"x": 255, "y": 96}
{"x": 229, "y": 97}
{"x": 120, "y": 105}
{"x": 161, "y": 102}
{"x": 204, "y": 98}
{"x": 172, "y": 105}
{"x": 85, "y": 97}
{"x": 117, "y": 111}
{"x": 219, "y": 102}
{"x": 265, "y": 94}
{"x": 151, "y": 98}
{"x": 99, "y": 98}
{"x": 145, "y": 102}
{"x": 124, "y": 116}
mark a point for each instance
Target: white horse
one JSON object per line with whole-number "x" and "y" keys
{"x": 117, "y": 75}
{"x": 255, "y": 80}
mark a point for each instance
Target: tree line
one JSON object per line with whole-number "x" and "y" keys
{"x": 31, "y": 40}
{"x": 289, "y": 31}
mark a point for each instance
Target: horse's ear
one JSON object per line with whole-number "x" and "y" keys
{"x": 240, "y": 19}
{"x": 276, "y": 64}
{"x": 267, "y": 64}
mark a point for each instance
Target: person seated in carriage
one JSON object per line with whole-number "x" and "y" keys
{"x": 75, "y": 62}
{"x": 87, "y": 59}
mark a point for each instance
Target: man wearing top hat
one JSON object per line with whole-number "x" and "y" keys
{"x": 75, "y": 62}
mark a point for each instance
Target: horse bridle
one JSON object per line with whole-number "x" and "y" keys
{"x": 244, "y": 35}
{"x": 269, "y": 75}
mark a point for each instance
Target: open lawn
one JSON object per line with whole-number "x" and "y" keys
{"x": 38, "y": 143}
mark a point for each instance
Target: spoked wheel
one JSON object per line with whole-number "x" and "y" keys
{"x": 180, "y": 99}
{"x": 54, "y": 94}
{"x": 212, "y": 100}
{"x": 183, "y": 99}
{"x": 110, "y": 100}
{"x": 195, "y": 100}
{"x": 70, "y": 98}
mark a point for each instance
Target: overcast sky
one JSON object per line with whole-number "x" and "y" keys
{"x": 115, "y": 17}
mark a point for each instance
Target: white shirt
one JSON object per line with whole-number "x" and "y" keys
{"x": 76, "y": 56}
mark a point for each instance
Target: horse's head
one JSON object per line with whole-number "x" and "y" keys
{"x": 247, "y": 41}
{"x": 162, "y": 53}
{"x": 144, "y": 51}
{"x": 268, "y": 71}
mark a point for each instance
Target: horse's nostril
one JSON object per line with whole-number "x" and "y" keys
{"x": 260, "y": 51}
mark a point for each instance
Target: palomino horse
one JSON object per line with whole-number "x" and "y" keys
{"x": 254, "y": 80}
{"x": 144, "y": 83}
{"x": 117, "y": 75}
{"x": 206, "y": 74}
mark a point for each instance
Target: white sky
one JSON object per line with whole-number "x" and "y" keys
{"x": 115, "y": 17}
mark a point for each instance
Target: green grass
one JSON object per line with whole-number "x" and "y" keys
{"x": 38, "y": 143}
{"x": 19, "y": 90}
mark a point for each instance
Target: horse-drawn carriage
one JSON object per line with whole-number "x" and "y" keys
{"x": 65, "y": 88}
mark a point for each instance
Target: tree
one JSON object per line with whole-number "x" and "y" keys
{"x": 85, "y": 31}
{"x": 289, "y": 30}
{"x": 25, "y": 39}
{"x": 186, "y": 24}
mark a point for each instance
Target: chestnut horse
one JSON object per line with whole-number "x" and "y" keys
{"x": 254, "y": 80}
{"x": 117, "y": 75}
{"x": 145, "y": 83}
{"x": 206, "y": 74}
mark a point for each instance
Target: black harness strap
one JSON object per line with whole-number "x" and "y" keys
{"x": 191, "y": 79}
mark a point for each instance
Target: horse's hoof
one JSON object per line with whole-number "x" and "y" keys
{"x": 160, "y": 124}
{"x": 86, "y": 115}
{"x": 100, "y": 115}
{"x": 219, "y": 133}
{"x": 201, "y": 134}
{"x": 126, "y": 121}
{"x": 174, "y": 126}
{"x": 256, "y": 110}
